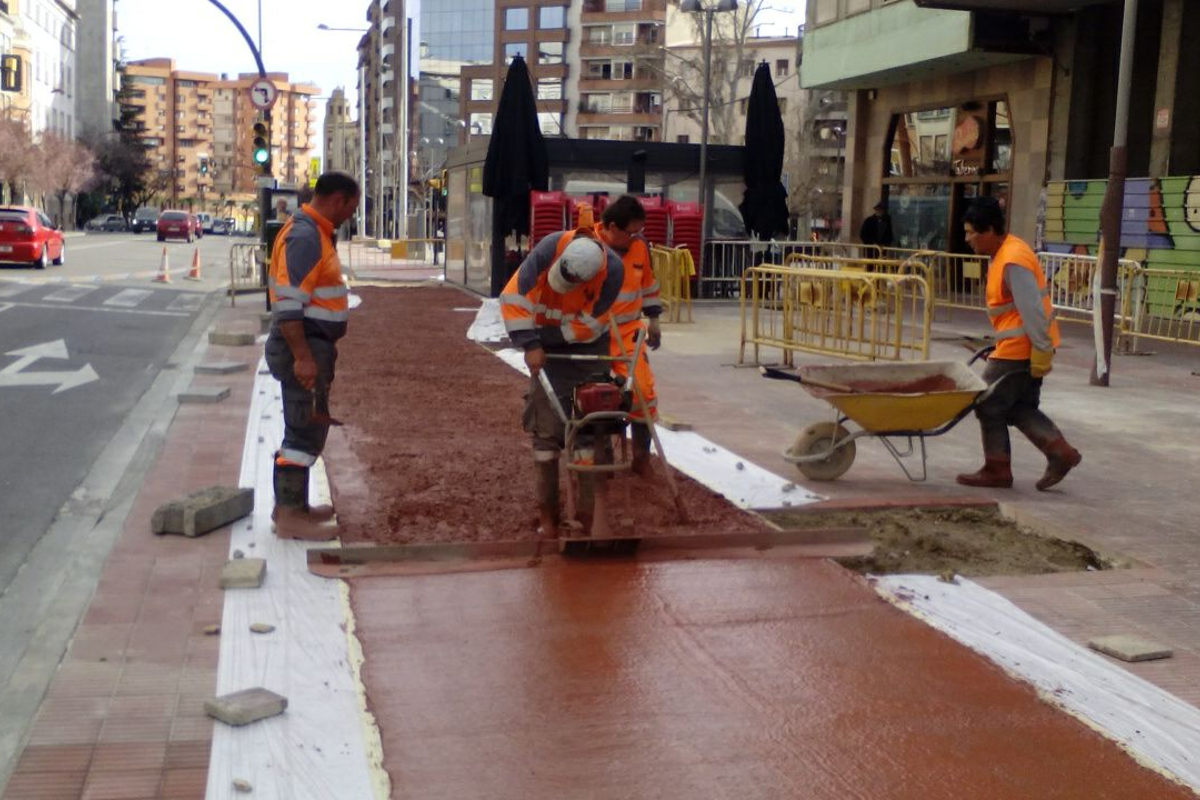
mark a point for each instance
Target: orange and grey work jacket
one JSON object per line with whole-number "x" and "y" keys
{"x": 537, "y": 316}
{"x": 305, "y": 277}
{"x": 639, "y": 290}
{"x": 1018, "y": 302}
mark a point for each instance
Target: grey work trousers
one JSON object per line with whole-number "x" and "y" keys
{"x": 301, "y": 436}
{"x": 1014, "y": 402}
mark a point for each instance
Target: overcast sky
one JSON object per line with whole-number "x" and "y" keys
{"x": 199, "y": 37}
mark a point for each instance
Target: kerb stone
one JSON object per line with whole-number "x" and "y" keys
{"x": 243, "y": 573}
{"x": 221, "y": 367}
{"x": 246, "y": 706}
{"x": 231, "y": 338}
{"x": 203, "y": 511}
{"x": 1130, "y": 648}
{"x": 204, "y": 394}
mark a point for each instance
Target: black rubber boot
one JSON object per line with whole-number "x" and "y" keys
{"x": 293, "y": 517}
{"x": 291, "y": 486}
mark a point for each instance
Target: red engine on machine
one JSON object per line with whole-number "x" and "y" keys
{"x": 599, "y": 396}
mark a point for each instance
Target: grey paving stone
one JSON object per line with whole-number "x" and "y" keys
{"x": 246, "y": 706}
{"x": 1130, "y": 648}
{"x": 243, "y": 573}
{"x": 203, "y": 511}
{"x": 231, "y": 338}
{"x": 204, "y": 394}
{"x": 221, "y": 367}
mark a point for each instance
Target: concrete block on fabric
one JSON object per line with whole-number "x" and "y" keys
{"x": 221, "y": 367}
{"x": 231, "y": 338}
{"x": 246, "y": 706}
{"x": 203, "y": 511}
{"x": 672, "y": 424}
{"x": 244, "y": 573}
{"x": 1130, "y": 648}
{"x": 204, "y": 394}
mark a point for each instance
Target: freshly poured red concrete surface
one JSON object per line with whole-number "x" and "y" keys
{"x": 704, "y": 679}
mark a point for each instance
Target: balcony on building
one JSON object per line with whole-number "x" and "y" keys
{"x": 900, "y": 41}
{"x": 385, "y": 54}
{"x": 622, "y": 39}
{"x": 623, "y": 10}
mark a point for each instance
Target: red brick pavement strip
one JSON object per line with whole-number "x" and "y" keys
{"x": 124, "y": 718}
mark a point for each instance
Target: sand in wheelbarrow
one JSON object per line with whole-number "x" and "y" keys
{"x": 432, "y": 448}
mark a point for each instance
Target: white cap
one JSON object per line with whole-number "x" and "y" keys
{"x": 578, "y": 264}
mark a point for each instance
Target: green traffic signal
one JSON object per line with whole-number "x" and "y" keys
{"x": 261, "y": 153}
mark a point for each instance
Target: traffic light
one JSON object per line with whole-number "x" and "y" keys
{"x": 445, "y": 182}
{"x": 11, "y": 73}
{"x": 203, "y": 165}
{"x": 260, "y": 152}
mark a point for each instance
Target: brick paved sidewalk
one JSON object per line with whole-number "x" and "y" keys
{"x": 123, "y": 719}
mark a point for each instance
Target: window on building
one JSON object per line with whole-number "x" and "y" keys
{"x": 513, "y": 49}
{"x": 622, "y": 70}
{"x": 823, "y": 11}
{"x": 857, "y": 6}
{"x": 549, "y": 89}
{"x": 781, "y": 67}
{"x": 550, "y": 123}
{"x": 516, "y": 19}
{"x": 624, "y": 33}
{"x": 552, "y": 17}
{"x": 599, "y": 34}
{"x": 682, "y": 138}
{"x": 745, "y": 67}
{"x": 550, "y": 52}
{"x": 481, "y": 124}
{"x": 481, "y": 89}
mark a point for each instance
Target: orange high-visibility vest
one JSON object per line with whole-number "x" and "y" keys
{"x": 542, "y": 307}
{"x": 322, "y": 295}
{"x": 1012, "y": 343}
{"x": 639, "y": 291}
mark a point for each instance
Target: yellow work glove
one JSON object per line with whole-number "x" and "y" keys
{"x": 1039, "y": 362}
{"x": 654, "y": 334}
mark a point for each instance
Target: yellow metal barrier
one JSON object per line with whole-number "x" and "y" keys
{"x": 849, "y": 313}
{"x": 674, "y": 270}
{"x": 1160, "y": 304}
{"x": 956, "y": 279}
{"x": 911, "y": 265}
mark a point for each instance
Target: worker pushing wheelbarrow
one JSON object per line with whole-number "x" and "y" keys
{"x": 891, "y": 402}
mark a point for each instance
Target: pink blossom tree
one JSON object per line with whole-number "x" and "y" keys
{"x": 18, "y": 158}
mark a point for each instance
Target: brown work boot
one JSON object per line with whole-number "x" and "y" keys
{"x": 1061, "y": 458}
{"x": 996, "y": 474}
{"x": 297, "y": 523}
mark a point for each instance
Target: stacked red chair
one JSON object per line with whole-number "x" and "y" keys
{"x": 686, "y": 227}
{"x": 547, "y": 214}
{"x": 657, "y": 224}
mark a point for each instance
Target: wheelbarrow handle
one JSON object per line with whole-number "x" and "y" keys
{"x": 982, "y": 352}
{"x": 780, "y": 375}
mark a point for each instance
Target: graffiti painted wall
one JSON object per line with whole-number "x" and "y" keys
{"x": 1160, "y": 230}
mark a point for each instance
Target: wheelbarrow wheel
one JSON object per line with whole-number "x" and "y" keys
{"x": 820, "y": 438}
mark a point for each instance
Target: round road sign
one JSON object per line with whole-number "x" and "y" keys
{"x": 263, "y": 94}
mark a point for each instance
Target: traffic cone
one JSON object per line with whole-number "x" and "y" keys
{"x": 164, "y": 270}
{"x": 194, "y": 272}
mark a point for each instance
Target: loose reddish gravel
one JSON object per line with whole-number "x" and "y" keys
{"x": 432, "y": 448}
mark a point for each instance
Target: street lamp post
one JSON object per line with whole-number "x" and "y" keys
{"x": 696, "y": 6}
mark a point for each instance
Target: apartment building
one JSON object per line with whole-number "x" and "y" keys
{"x": 621, "y": 70}
{"x": 384, "y": 91}
{"x": 198, "y": 129}
{"x": 15, "y": 44}
{"x": 453, "y": 34}
{"x": 47, "y": 31}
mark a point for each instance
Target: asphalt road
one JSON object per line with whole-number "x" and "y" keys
{"x": 76, "y": 355}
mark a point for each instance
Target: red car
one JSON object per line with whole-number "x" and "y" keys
{"x": 27, "y": 235}
{"x": 175, "y": 225}
{"x": 197, "y": 226}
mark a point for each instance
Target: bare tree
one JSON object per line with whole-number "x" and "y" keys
{"x": 733, "y": 60}
{"x": 67, "y": 168}
{"x": 18, "y": 157}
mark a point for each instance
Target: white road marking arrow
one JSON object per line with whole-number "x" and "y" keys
{"x": 12, "y": 375}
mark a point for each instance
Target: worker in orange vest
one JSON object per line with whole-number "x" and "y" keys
{"x": 1018, "y": 305}
{"x": 559, "y": 301}
{"x": 309, "y": 313}
{"x": 620, "y": 228}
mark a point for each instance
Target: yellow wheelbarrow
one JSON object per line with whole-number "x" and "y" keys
{"x": 888, "y": 401}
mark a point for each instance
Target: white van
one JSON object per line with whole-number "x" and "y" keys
{"x": 206, "y": 221}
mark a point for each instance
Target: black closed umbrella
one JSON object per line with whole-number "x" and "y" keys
{"x": 516, "y": 157}
{"x": 764, "y": 207}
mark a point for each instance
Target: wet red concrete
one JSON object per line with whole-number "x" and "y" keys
{"x": 601, "y": 679}
{"x": 763, "y": 679}
{"x": 432, "y": 449}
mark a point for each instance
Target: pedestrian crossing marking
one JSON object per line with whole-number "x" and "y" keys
{"x": 14, "y": 289}
{"x": 128, "y": 298}
{"x": 69, "y": 294}
{"x": 188, "y": 301}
